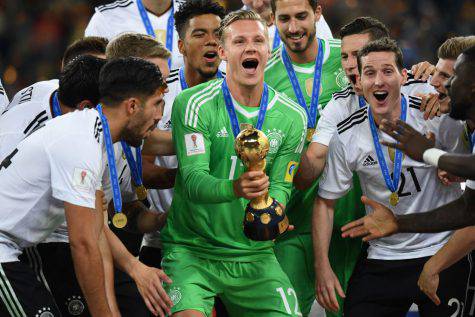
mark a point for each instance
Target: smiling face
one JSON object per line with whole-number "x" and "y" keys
{"x": 295, "y": 20}
{"x": 200, "y": 45}
{"x": 245, "y": 48}
{"x": 443, "y": 71}
{"x": 381, "y": 81}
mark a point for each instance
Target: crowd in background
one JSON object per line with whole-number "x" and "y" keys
{"x": 34, "y": 34}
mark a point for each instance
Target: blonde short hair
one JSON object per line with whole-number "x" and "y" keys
{"x": 455, "y": 46}
{"x": 136, "y": 45}
{"x": 238, "y": 16}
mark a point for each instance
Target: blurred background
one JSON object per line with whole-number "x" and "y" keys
{"x": 34, "y": 34}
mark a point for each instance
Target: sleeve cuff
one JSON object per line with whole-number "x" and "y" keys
{"x": 82, "y": 200}
{"x": 331, "y": 195}
{"x": 322, "y": 138}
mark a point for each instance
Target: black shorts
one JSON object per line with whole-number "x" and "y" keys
{"x": 53, "y": 262}
{"x": 22, "y": 294}
{"x": 388, "y": 288}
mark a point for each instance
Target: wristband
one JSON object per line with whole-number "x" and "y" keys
{"x": 432, "y": 156}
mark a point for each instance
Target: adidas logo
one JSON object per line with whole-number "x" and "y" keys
{"x": 223, "y": 133}
{"x": 369, "y": 161}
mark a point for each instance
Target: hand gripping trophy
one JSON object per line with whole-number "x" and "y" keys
{"x": 264, "y": 217}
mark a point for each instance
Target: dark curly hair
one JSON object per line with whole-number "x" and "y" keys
{"x": 192, "y": 8}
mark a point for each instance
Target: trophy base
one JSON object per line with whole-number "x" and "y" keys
{"x": 265, "y": 224}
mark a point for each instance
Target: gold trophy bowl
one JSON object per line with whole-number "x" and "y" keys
{"x": 264, "y": 217}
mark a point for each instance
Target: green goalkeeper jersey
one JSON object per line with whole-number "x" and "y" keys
{"x": 299, "y": 208}
{"x": 205, "y": 217}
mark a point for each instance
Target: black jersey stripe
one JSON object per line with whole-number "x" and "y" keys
{"x": 355, "y": 115}
{"x": 38, "y": 125}
{"x": 172, "y": 79}
{"x": 353, "y": 123}
{"x": 120, "y": 5}
{"x": 344, "y": 91}
{"x": 348, "y": 94}
{"x": 112, "y": 4}
{"x": 38, "y": 117}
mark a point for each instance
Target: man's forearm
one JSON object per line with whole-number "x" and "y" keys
{"x": 458, "y": 164}
{"x": 311, "y": 166}
{"x": 459, "y": 245}
{"x": 90, "y": 274}
{"x": 123, "y": 259}
{"x": 454, "y": 215}
{"x": 108, "y": 272}
{"x": 159, "y": 143}
{"x": 322, "y": 226}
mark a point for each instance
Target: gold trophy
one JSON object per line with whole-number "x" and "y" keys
{"x": 264, "y": 217}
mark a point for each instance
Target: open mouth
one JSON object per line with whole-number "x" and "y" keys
{"x": 442, "y": 96}
{"x": 250, "y": 64}
{"x": 352, "y": 79}
{"x": 380, "y": 95}
{"x": 211, "y": 56}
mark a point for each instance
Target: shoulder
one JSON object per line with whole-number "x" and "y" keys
{"x": 344, "y": 94}
{"x": 414, "y": 102}
{"x": 112, "y": 8}
{"x": 85, "y": 124}
{"x": 274, "y": 58}
{"x": 288, "y": 107}
{"x": 196, "y": 100}
{"x": 412, "y": 81}
{"x": 352, "y": 121}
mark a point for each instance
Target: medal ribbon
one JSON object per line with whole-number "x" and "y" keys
{"x": 232, "y": 113}
{"x": 135, "y": 166}
{"x": 361, "y": 101}
{"x": 56, "y": 108}
{"x": 391, "y": 184}
{"x": 149, "y": 28}
{"x": 312, "y": 113}
{"x": 183, "y": 83}
{"x": 276, "y": 41}
{"x": 114, "y": 179}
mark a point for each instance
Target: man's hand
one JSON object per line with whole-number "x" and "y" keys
{"x": 251, "y": 184}
{"x": 409, "y": 140}
{"x": 326, "y": 286}
{"x": 422, "y": 70}
{"x": 380, "y": 223}
{"x": 429, "y": 282}
{"x": 448, "y": 179}
{"x": 430, "y": 105}
{"x": 149, "y": 283}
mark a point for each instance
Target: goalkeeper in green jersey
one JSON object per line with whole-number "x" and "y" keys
{"x": 309, "y": 71}
{"x": 206, "y": 253}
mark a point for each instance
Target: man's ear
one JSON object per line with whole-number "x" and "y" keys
{"x": 84, "y": 104}
{"x": 131, "y": 105}
{"x": 221, "y": 53}
{"x": 404, "y": 76}
{"x": 318, "y": 13}
{"x": 181, "y": 46}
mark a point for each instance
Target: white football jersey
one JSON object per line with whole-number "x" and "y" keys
{"x": 162, "y": 198}
{"x": 3, "y": 99}
{"x": 29, "y": 110}
{"x": 345, "y": 102}
{"x": 61, "y": 162}
{"x": 352, "y": 150}
{"x": 110, "y": 20}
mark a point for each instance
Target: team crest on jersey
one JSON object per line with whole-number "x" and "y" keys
{"x": 44, "y": 312}
{"x": 75, "y": 305}
{"x": 309, "y": 87}
{"x": 175, "y": 295}
{"x": 341, "y": 79}
{"x": 275, "y": 138}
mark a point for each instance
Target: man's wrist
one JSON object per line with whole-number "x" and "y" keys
{"x": 431, "y": 156}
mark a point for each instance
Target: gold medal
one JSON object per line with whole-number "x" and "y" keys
{"x": 394, "y": 199}
{"x": 141, "y": 192}
{"x": 119, "y": 220}
{"x": 310, "y": 132}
